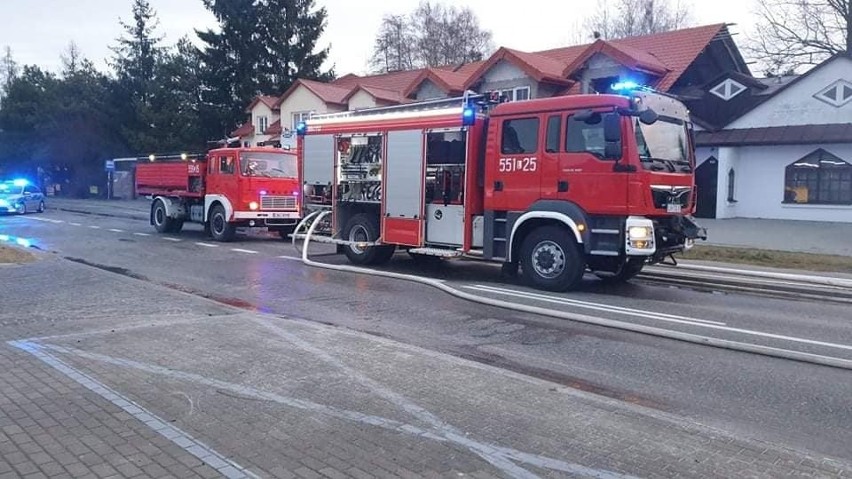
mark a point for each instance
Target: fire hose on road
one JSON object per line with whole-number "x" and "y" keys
{"x": 315, "y": 218}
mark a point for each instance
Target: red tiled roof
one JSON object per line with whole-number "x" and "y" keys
{"x": 447, "y": 80}
{"x": 777, "y": 135}
{"x": 667, "y": 55}
{"x": 537, "y": 66}
{"x": 246, "y": 129}
{"x": 274, "y": 129}
{"x": 674, "y": 50}
{"x": 380, "y": 94}
{"x": 270, "y": 101}
{"x": 327, "y": 92}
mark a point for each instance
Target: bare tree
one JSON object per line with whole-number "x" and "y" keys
{"x": 394, "y": 46}
{"x": 432, "y": 35}
{"x": 792, "y": 34}
{"x": 629, "y": 18}
{"x": 8, "y": 70}
{"x": 71, "y": 59}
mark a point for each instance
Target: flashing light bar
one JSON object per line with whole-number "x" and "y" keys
{"x": 20, "y": 182}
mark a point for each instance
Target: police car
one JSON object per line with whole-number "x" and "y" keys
{"x": 21, "y": 197}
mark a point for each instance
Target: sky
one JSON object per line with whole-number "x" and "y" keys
{"x": 38, "y": 32}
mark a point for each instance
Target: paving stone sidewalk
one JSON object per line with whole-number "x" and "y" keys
{"x": 126, "y": 379}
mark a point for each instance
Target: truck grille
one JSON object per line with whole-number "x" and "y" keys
{"x": 278, "y": 202}
{"x": 665, "y": 195}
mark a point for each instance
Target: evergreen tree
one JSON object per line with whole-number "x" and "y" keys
{"x": 8, "y": 70}
{"x": 292, "y": 29}
{"x": 261, "y": 47}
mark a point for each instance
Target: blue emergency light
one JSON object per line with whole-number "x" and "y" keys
{"x": 468, "y": 116}
{"x": 20, "y": 182}
{"x": 301, "y": 128}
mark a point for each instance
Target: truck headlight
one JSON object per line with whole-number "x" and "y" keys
{"x": 639, "y": 237}
{"x": 640, "y": 232}
{"x": 253, "y": 206}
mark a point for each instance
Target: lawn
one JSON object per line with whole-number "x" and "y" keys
{"x": 14, "y": 255}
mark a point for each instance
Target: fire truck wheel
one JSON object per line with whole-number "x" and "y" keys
{"x": 285, "y": 232}
{"x": 363, "y": 227}
{"x": 162, "y": 222}
{"x": 220, "y": 229}
{"x": 550, "y": 260}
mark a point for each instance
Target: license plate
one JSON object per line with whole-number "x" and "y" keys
{"x": 673, "y": 208}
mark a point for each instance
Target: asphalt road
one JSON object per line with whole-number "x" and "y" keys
{"x": 792, "y": 404}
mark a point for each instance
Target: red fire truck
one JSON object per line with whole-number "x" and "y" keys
{"x": 556, "y": 186}
{"x": 226, "y": 189}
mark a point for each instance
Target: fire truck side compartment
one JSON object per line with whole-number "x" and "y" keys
{"x": 318, "y": 159}
{"x": 403, "y": 173}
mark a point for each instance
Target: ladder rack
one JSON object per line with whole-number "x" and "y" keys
{"x": 439, "y": 106}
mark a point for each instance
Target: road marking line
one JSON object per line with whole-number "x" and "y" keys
{"x": 291, "y": 258}
{"x": 142, "y": 234}
{"x": 172, "y": 239}
{"x": 207, "y": 244}
{"x": 36, "y": 219}
{"x": 75, "y": 224}
{"x": 95, "y": 227}
{"x": 248, "y": 251}
{"x": 114, "y": 230}
{"x": 711, "y": 326}
{"x": 595, "y": 306}
{"x": 177, "y": 436}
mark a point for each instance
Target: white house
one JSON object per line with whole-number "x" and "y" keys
{"x": 785, "y": 149}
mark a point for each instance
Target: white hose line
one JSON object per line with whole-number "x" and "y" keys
{"x": 800, "y": 278}
{"x": 609, "y": 323}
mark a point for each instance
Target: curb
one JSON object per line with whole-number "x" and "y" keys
{"x": 801, "y": 278}
{"x": 141, "y": 216}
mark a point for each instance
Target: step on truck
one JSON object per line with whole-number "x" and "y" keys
{"x": 226, "y": 189}
{"x": 551, "y": 187}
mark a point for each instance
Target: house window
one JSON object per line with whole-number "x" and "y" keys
{"x": 732, "y": 181}
{"x": 301, "y": 116}
{"x": 520, "y": 136}
{"x": 261, "y": 124}
{"x": 728, "y": 89}
{"x": 516, "y": 94}
{"x": 837, "y": 94}
{"x": 818, "y": 178}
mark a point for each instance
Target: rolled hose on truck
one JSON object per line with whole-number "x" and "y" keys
{"x": 581, "y": 318}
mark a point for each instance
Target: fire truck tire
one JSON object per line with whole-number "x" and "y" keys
{"x": 363, "y": 227}
{"x": 285, "y": 232}
{"x": 550, "y": 259}
{"x": 162, "y": 222}
{"x": 220, "y": 229}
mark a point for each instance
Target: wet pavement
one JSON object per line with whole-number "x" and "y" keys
{"x": 780, "y": 404}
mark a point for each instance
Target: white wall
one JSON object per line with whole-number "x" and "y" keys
{"x": 503, "y": 71}
{"x": 428, "y": 91}
{"x": 727, "y": 158}
{"x": 796, "y": 105}
{"x": 360, "y": 100}
{"x": 760, "y": 183}
{"x": 300, "y": 100}
{"x": 260, "y": 110}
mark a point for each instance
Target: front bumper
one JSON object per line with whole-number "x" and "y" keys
{"x": 266, "y": 215}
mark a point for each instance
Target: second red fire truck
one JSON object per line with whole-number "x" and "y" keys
{"x": 555, "y": 186}
{"x": 226, "y": 189}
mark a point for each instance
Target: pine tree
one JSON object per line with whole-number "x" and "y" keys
{"x": 8, "y": 71}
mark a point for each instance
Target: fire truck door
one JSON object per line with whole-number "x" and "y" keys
{"x": 585, "y": 175}
{"x": 402, "y": 221}
{"x": 513, "y": 180}
{"x": 221, "y": 180}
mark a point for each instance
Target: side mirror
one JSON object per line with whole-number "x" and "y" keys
{"x": 612, "y": 128}
{"x": 648, "y": 117}
{"x": 612, "y": 137}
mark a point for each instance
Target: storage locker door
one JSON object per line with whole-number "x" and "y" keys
{"x": 318, "y": 168}
{"x": 403, "y": 176}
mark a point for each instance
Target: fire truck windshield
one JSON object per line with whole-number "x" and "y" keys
{"x": 663, "y": 145}
{"x": 269, "y": 165}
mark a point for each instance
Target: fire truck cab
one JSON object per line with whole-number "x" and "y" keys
{"x": 226, "y": 189}
{"x": 556, "y": 186}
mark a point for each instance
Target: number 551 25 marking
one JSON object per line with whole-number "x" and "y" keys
{"x": 518, "y": 164}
